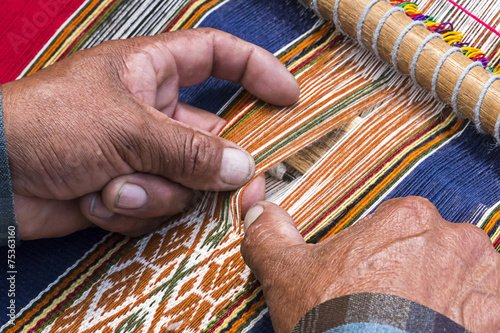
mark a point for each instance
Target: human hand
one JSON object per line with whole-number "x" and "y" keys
{"x": 100, "y": 137}
{"x": 405, "y": 248}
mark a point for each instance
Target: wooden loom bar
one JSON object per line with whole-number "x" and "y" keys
{"x": 349, "y": 14}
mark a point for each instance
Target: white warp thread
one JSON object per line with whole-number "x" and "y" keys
{"x": 395, "y": 50}
{"x": 413, "y": 66}
{"x": 376, "y": 34}
{"x": 477, "y": 109}
{"x": 438, "y": 69}
{"x": 454, "y": 98}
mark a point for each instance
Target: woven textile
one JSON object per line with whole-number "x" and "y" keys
{"x": 189, "y": 275}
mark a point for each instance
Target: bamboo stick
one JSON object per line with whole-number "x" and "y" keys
{"x": 304, "y": 159}
{"x": 349, "y": 13}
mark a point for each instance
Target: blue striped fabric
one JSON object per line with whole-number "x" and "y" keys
{"x": 460, "y": 179}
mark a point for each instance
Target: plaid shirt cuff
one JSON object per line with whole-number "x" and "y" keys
{"x": 372, "y": 312}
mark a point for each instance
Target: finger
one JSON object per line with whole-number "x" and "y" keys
{"x": 197, "y": 118}
{"x": 213, "y": 52}
{"x": 269, "y": 233}
{"x": 188, "y": 57}
{"x": 216, "y": 53}
{"x": 191, "y": 157}
{"x": 40, "y": 218}
{"x": 145, "y": 196}
{"x": 254, "y": 192}
{"x": 93, "y": 208}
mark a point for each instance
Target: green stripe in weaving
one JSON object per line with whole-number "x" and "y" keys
{"x": 131, "y": 243}
{"x": 227, "y": 308}
{"x": 400, "y": 174}
{"x": 316, "y": 121}
{"x": 387, "y": 156}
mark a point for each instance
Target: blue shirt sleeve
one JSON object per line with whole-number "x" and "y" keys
{"x": 8, "y": 224}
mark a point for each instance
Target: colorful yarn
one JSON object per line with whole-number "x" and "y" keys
{"x": 489, "y": 27}
{"x": 450, "y": 36}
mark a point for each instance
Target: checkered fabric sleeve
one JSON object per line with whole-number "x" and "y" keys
{"x": 373, "y": 312}
{"x": 8, "y": 225}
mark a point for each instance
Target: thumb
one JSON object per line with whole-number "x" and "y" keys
{"x": 269, "y": 233}
{"x": 188, "y": 156}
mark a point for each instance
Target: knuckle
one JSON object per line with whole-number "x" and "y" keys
{"x": 207, "y": 30}
{"x": 410, "y": 215}
{"x": 416, "y": 205}
{"x": 471, "y": 236}
{"x": 251, "y": 241}
{"x": 109, "y": 44}
{"x": 420, "y": 211}
{"x": 257, "y": 241}
{"x": 117, "y": 47}
{"x": 131, "y": 137}
{"x": 199, "y": 155}
{"x": 112, "y": 55}
{"x": 107, "y": 48}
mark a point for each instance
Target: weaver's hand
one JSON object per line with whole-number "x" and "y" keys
{"x": 405, "y": 248}
{"x": 101, "y": 138}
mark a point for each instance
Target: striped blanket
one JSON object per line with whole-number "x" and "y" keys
{"x": 189, "y": 275}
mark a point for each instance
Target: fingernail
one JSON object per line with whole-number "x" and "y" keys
{"x": 252, "y": 215}
{"x": 131, "y": 196}
{"x": 237, "y": 166}
{"x": 98, "y": 209}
